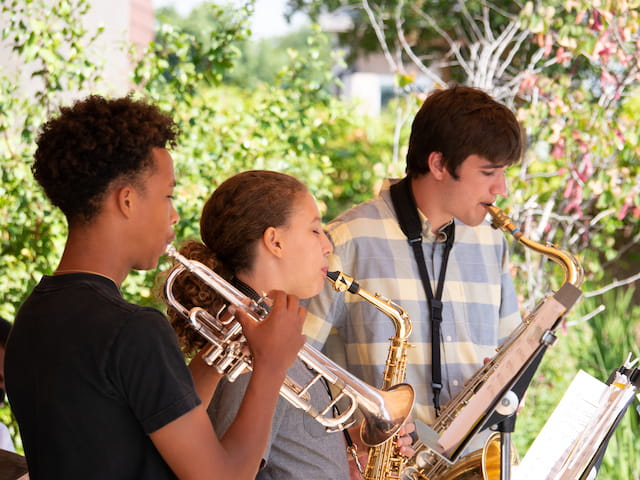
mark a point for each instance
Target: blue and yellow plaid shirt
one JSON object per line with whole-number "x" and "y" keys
{"x": 480, "y": 307}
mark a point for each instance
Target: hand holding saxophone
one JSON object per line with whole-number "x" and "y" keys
{"x": 402, "y": 448}
{"x": 405, "y": 439}
{"x": 275, "y": 341}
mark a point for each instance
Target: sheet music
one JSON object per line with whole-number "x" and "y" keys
{"x": 567, "y": 422}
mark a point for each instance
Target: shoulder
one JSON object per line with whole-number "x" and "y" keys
{"x": 148, "y": 330}
{"x": 372, "y": 219}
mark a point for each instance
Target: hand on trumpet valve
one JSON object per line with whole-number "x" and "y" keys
{"x": 275, "y": 341}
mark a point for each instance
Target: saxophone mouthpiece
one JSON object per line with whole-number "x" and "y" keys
{"x": 343, "y": 282}
{"x": 500, "y": 220}
{"x": 333, "y": 275}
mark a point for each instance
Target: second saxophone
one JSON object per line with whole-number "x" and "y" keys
{"x": 384, "y": 461}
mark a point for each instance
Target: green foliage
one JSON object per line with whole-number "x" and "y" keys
{"x": 294, "y": 125}
{"x": 178, "y": 62}
{"x": 262, "y": 59}
{"x": 47, "y": 40}
{"x": 258, "y": 60}
{"x": 50, "y": 42}
{"x": 580, "y": 181}
{"x": 53, "y": 42}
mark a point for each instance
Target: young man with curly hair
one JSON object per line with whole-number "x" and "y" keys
{"x": 98, "y": 385}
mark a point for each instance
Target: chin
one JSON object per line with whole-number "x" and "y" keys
{"x": 305, "y": 293}
{"x": 149, "y": 265}
{"x": 473, "y": 221}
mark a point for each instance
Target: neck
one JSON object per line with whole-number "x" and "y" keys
{"x": 89, "y": 251}
{"x": 260, "y": 282}
{"x": 266, "y": 274}
{"x": 430, "y": 201}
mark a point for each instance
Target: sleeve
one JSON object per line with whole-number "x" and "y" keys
{"x": 510, "y": 316}
{"x": 149, "y": 369}
{"x": 226, "y": 403}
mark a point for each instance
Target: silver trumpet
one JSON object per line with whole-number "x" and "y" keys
{"x": 383, "y": 411}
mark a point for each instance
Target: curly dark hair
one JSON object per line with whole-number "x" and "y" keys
{"x": 233, "y": 219}
{"x": 462, "y": 121}
{"x": 92, "y": 144}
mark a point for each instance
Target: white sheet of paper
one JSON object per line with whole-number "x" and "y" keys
{"x": 563, "y": 427}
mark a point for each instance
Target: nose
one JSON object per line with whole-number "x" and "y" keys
{"x": 174, "y": 216}
{"x": 327, "y": 246}
{"x": 499, "y": 186}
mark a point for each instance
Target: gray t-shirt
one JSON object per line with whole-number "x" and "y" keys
{"x": 299, "y": 447}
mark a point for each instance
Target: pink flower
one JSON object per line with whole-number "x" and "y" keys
{"x": 623, "y": 211}
{"x": 597, "y": 22}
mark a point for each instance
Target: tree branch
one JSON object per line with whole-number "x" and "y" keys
{"x": 380, "y": 35}
{"x": 612, "y": 285}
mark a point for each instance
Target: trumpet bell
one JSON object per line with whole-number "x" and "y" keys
{"x": 381, "y": 424}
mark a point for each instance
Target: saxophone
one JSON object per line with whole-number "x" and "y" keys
{"x": 384, "y": 462}
{"x": 478, "y": 403}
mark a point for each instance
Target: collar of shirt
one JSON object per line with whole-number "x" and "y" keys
{"x": 427, "y": 234}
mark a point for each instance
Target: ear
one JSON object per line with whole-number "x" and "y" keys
{"x": 273, "y": 242}
{"x": 436, "y": 165}
{"x": 125, "y": 200}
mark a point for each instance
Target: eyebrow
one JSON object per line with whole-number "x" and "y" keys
{"x": 494, "y": 165}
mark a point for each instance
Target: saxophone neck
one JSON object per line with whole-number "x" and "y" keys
{"x": 398, "y": 315}
{"x": 573, "y": 272}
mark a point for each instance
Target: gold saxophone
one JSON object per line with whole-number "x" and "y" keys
{"x": 384, "y": 462}
{"x": 472, "y": 409}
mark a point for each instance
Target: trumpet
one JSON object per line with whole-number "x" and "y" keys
{"x": 383, "y": 411}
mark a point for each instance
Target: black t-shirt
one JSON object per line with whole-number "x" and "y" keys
{"x": 89, "y": 376}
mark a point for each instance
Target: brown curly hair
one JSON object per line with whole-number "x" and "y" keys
{"x": 233, "y": 219}
{"x": 94, "y": 143}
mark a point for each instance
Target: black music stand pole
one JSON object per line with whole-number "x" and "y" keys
{"x": 509, "y": 407}
{"x": 506, "y": 428}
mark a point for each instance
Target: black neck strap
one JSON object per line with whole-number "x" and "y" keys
{"x": 407, "y": 212}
